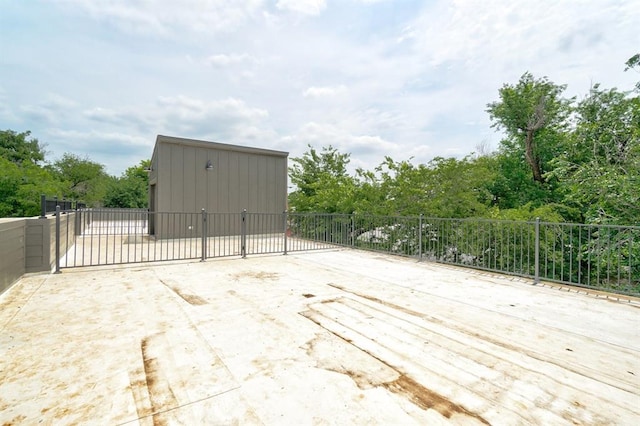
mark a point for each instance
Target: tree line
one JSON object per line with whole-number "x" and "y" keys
{"x": 25, "y": 174}
{"x": 561, "y": 159}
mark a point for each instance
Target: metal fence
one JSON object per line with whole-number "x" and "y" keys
{"x": 595, "y": 256}
{"x": 117, "y": 236}
{"x": 603, "y": 257}
{"x": 48, "y": 205}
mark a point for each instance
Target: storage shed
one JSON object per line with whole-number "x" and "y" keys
{"x": 188, "y": 175}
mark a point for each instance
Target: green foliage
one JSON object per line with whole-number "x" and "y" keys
{"x": 634, "y": 63}
{"x": 22, "y": 179}
{"x": 131, "y": 189}
{"x": 533, "y": 115}
{"x": 84, "y": 179}
{"x": 322, "y": 183}
{"x": 20, "y": 148}
{"x": 445, "y": 187}
{"x": 600, "y": 169}
{"x": 529, "y": 213}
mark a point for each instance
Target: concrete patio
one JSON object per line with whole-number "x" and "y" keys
{"x": 324, "y": 338}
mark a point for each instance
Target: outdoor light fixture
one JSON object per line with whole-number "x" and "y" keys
{"x": 209, "y": 165}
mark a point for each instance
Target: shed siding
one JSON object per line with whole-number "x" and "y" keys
{"x": 242, "y": 178}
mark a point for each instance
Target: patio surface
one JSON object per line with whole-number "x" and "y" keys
{"x": 332, "y": 337}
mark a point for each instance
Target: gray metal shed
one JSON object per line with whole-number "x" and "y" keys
{"x": 188, "y": 175}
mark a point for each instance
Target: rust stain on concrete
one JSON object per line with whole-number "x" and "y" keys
{"x": 15, "y": 421}
{"x": 192, "y": 299}
{"x": 378, "y": 373}
{"x": 160, "y": 393}
{"x": 262, "y": 275}
{"x": 428, "y": 399}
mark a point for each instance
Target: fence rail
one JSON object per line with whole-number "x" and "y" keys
{"x": 594, "y": 256}
{"x": 48, "y": 205}
{"x": 603, "y": 257}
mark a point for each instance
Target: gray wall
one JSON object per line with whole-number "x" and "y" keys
{"x": 12, "y": 251}
{"x": 41, "y": 240}
{"x": 242, "y": 178}
{"x": 29, "y": 245}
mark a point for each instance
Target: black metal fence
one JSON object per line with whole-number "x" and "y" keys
{"x": 48, "y": 205}
{"x": 595, "y": 256}
{"x": 603, "y": 257}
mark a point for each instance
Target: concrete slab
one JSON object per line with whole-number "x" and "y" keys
{"x": 332, "y": 337}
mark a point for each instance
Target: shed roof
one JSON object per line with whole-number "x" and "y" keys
{"x": 217, "y": 146}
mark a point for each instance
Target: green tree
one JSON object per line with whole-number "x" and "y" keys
{"x": 401, "y": 188}
{"x": 131, "y": 190}
{"x": 21, "y": 186}
{"x": 533, "y": 114}
{"x": 20, "y": 147}
{"x": 322, "y": 182}
{"x": 445, "y": 187}
{"x": 22, "y": 178}
{"x": 600, "y": 169}
{"x": 634, "y": 64}
{"x": 460, "y": 188}
{"x": 84, "y": 179}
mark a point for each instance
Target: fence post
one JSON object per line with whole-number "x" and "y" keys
{"x": 57, "y": 240}
{"x": 43, "y": 206}
{"x": 284, "y": 216}
{"x": 353, "y": 230}
{"x": 420, "y": 238}
{"x": 536, "y": 278}
{"x": 243, "y": 234}
{"x": 204, "y": 235}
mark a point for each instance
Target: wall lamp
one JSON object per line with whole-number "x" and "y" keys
{"x": 209, "y": 165}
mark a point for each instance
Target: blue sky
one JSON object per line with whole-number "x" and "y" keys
{"x": 407, "y": 79}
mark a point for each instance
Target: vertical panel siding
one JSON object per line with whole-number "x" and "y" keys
{"x": 222, "y": 203}
{"x": 239, "y": 179}
{"x": 201, "y": 176}
{"x": 213, "y": 180}
{"x": 249, "y": 183}
{"x": 192, "y": 167}
{"x": 164, "y": 178}
{"x": 177, "y": 178}
{"x": 12, "y": 252}
{"x": 272, "y": 199}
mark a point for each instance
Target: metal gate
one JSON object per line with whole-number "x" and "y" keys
{"x": 97, "y": 237}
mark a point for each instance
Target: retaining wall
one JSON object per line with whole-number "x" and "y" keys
{"x": 29, "y": 245}
{"x": 12, "y": 251}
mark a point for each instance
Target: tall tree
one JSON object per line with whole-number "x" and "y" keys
{"x": 531, "y": 113}
{"x": 599, "y": 170}
{"x": 21, "y": 186}
{"x": 322, "y": 182}
{"x": 22, "y": 177}
{"x": 20, "y": 147}
{"x": 131, "y": 190}
{"x": 634, "y": 64}
{"x": 86, "y": 180}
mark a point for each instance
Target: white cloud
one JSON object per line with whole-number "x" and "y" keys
{"x": 537, "y": 35}
{"x": 223, "y": 60}
{"x": 170, "y": 17}
{"x": 372, "y": 78}
{"x": 325, "y": 91}
{"x": 193, "y": 109}
{"x": 94, "y": 138}
{"x": 306, "y": 7}
{"x": 325, "y": 134}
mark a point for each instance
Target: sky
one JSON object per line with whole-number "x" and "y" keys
{"x": 373, "y": 78}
